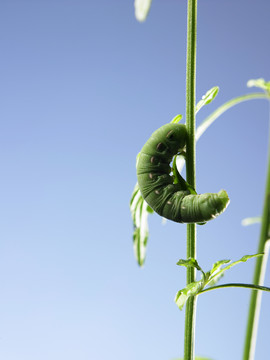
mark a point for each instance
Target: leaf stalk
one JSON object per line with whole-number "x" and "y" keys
{"x": 249, "y": 286}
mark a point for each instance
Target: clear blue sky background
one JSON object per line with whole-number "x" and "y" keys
{"x": 83, "y": 85}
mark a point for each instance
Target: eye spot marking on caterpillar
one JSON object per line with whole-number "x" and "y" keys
{"x": 161, "y": 147}
{"x": 170, "y": 135}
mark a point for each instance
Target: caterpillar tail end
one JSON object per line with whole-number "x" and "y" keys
{"x": 219, "y": 204}
{"x": 223, "y": 201}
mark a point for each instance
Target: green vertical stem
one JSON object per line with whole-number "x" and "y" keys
{"x": 259, "y": 273}
{"x": 191, "y": 168}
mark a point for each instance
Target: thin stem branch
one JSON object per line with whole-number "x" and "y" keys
{"x": 190, "y": 315}
{"x": 259, "y": 273}
{"x": 249, "y": 286}
{"x": 226, "y": 106}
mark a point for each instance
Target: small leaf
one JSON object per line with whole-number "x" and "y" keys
{"x": 212, "y": 276}
{"x": 217, "y": 271}
{"x": 208, "y": 279}
{"x": 142, "y": 8}
{"x": 177, "y": 118}
{"x": 139, "y": 212}
{"x": 207, "y": 98}
{"x": 251, "y": 221}
{"x": 217, "y": 265}
{"x": 191, "y": 262}
{"x": 191, "y": 289}
{"x": 260, "y": 83}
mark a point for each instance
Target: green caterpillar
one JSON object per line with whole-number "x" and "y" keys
{"x": 173, "y": 201}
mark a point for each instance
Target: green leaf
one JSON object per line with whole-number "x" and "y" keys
{"x": 217, "y": 265}
{"x": 260, "y": 83}
{"x": 251, "y": 221}
{"x": 142, "y": 8}
{"x": 191, "y": 262}
{"x": 208, "y": 279}
{"x": 183, "y": 295}
{"x": 213, "y": 276}
{"x": 139, "y": 211}
{"x": 217, "y": 271}
{"x": 207, "y": 98}
{"x": 177, "y": 118}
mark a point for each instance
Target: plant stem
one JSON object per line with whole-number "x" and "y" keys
{"x": 259, "y": 273}
{"x": 190, "y": 315}
{"x": 249, "y": 286}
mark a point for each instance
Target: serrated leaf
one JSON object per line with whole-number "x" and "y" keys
{"x": 207, "y": 98}
{"x": 251, "y": 221}
{"x": 243, "y": 259}
{"x": 217, "y": 265}
{"x": 142, "y": 8}
{"x": 177, "y": 119}
{"x": 183, "y": 295}
{"x": 191, "y": 262}
{"x": 139, "y": 212}
{"x": 208, "y": 279}
{"x": 212, "y": 276}
{"x": 217, "y": 271}
{"x": 260, "y": 83}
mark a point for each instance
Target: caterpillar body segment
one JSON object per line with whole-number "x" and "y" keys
{"x": 173, "y": 201}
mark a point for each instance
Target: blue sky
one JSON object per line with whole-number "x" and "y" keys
{"x": 83, "y": 85}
